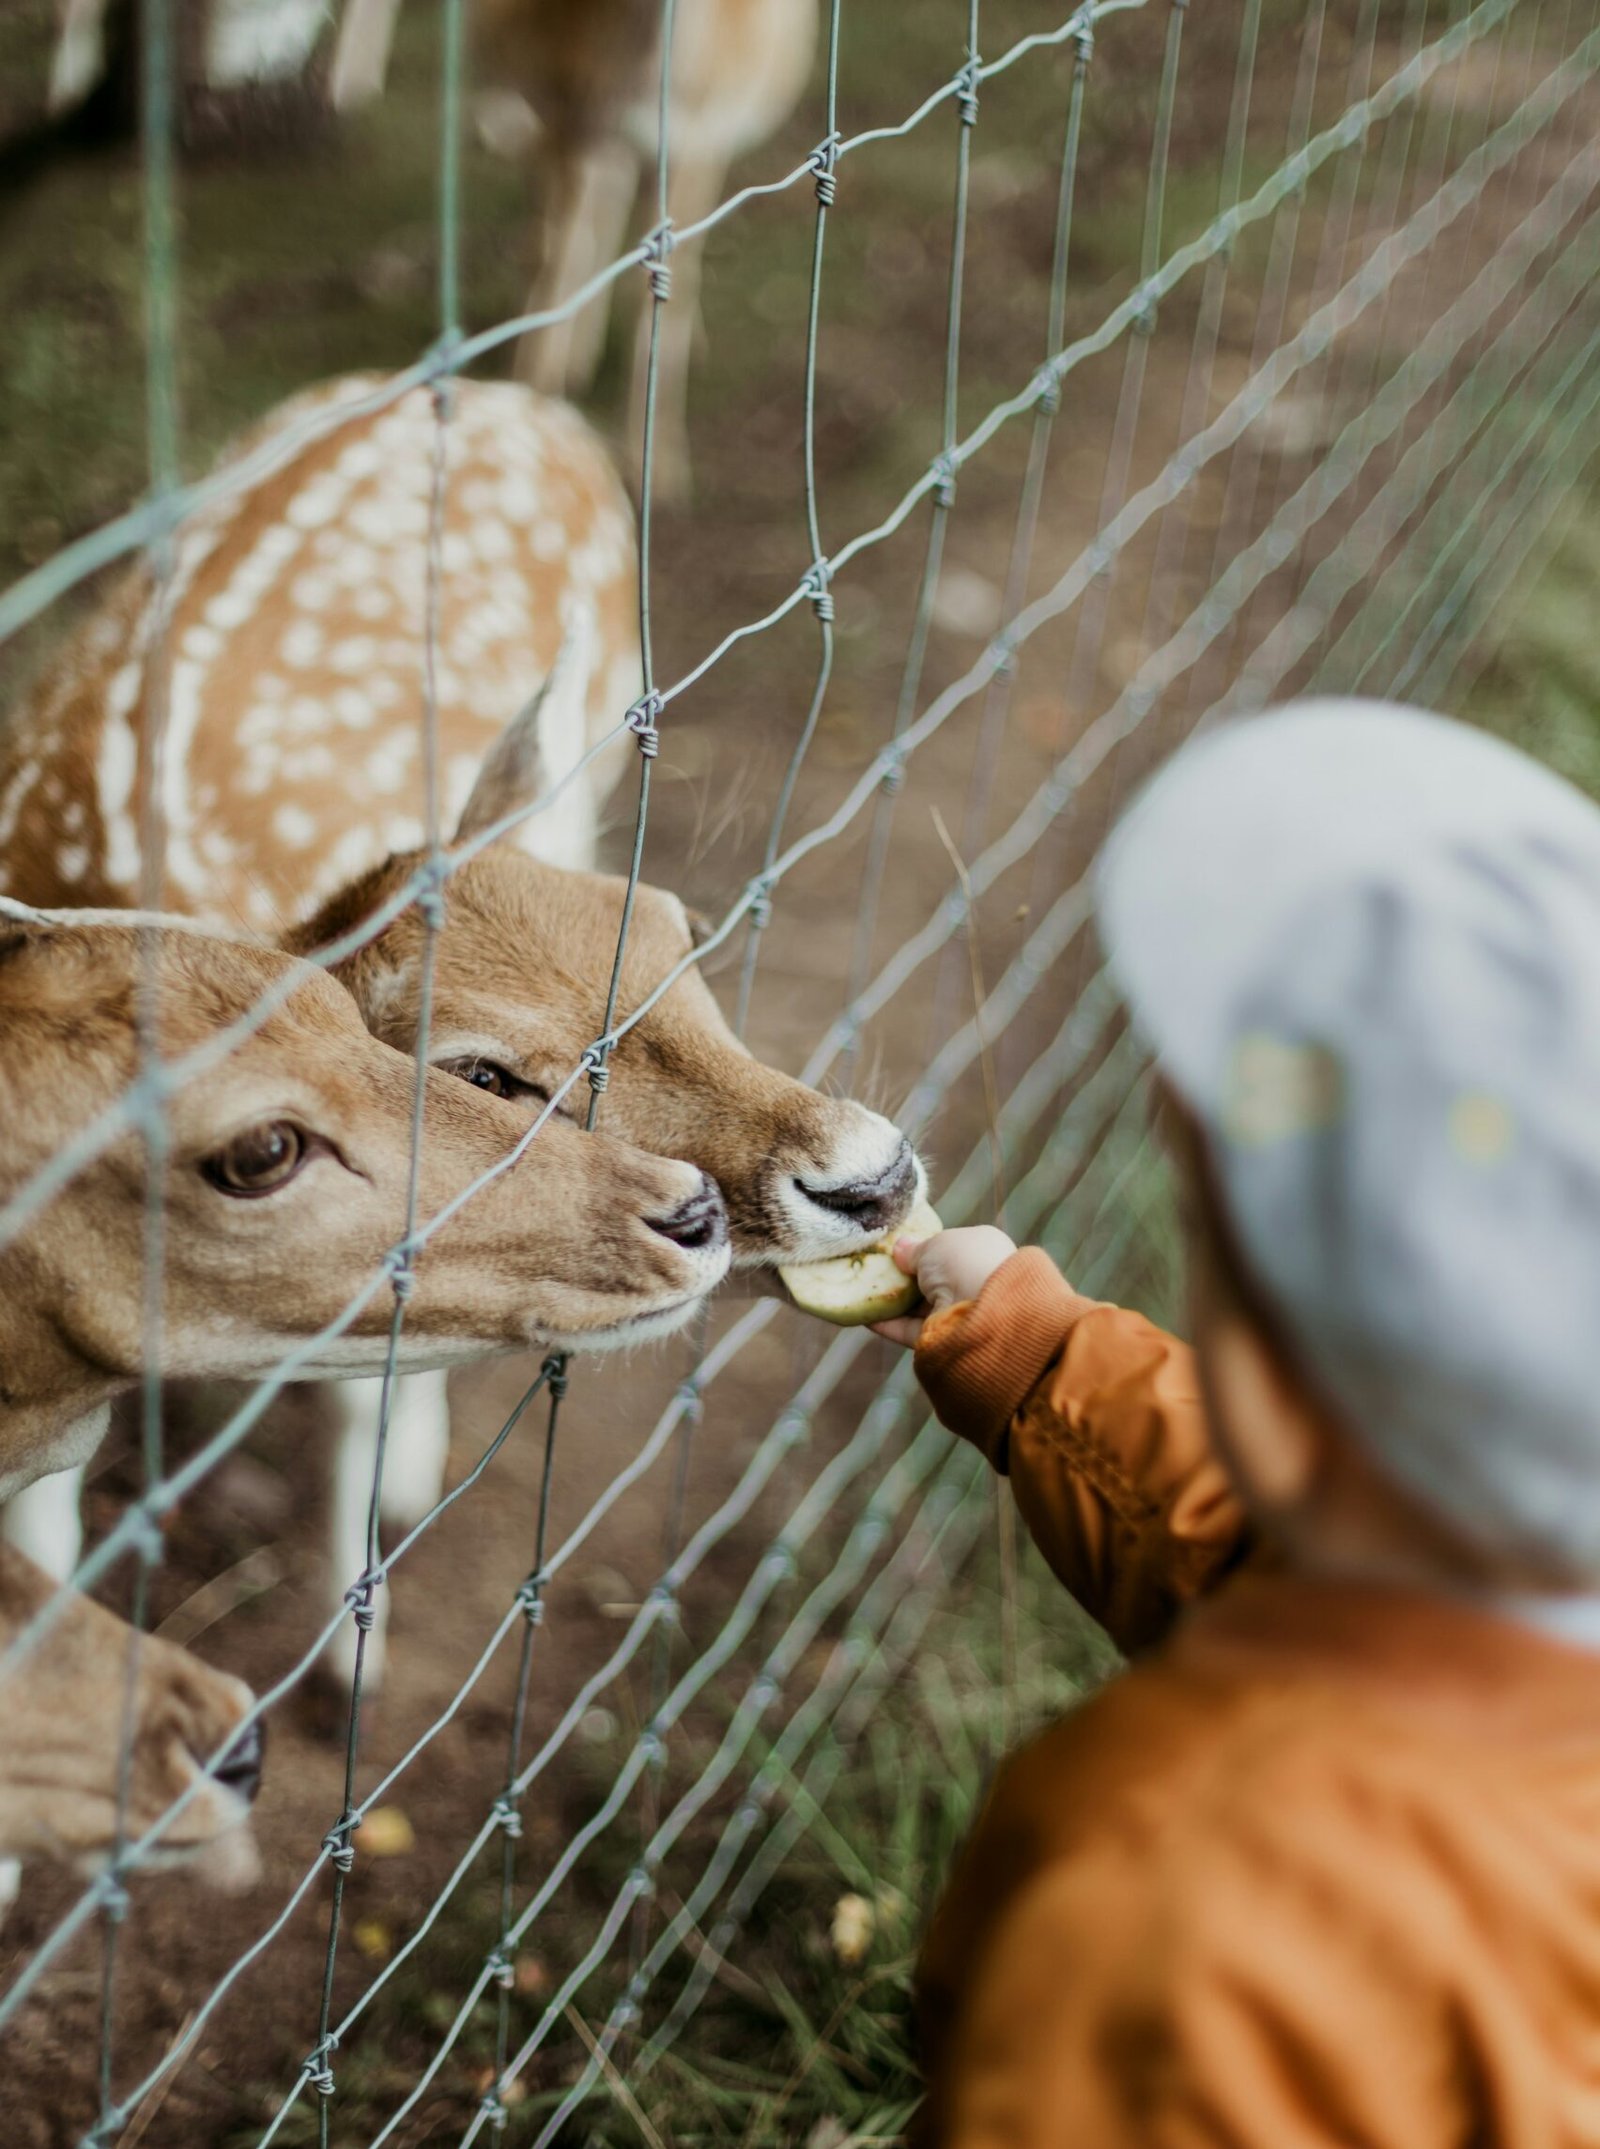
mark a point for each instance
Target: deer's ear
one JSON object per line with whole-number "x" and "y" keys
{"x": 22, "y": 917}
{"x": 20, "y": 924}
{"x": 518, "y": 766}
{"x": 513, "y": 771}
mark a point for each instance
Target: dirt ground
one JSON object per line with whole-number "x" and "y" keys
{"x": 278, "y": 292}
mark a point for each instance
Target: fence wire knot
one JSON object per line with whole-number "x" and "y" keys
{"x": 554, "y": 1370}
{"x": 442, "y": 359}
{"x": 894, "y": 772}
{"x": 507, "y": 1819}
{"x": 430, "y": 904}
{"x": 1083, "y": 36}
{"x": 967, "y": 91}
{"x": 358, "y": 1597}
{"x": 106, "y": 2128}
{"x": 530, "y": 1598}
{"x": 319, "y": 2070}
{"x": 114, "y": 1898}
{"x": 821, "y": 166}
{"x": 944, "y": 481}
{"x": 761, "y": 903}
{"x": 816, "y": 586}
{"x": 148, "y": 1541}
{"x": 595, "y": 1063}
{"x": 397, "y": 1267}
{"x": 658, "y": 261}
{"x": 341, "y": 1851}
{"x": 492, "y": 2106}
{"x": 691, "y": 1403}
{"x": 501, "y": 1968}
{"x": 642, "y": 720}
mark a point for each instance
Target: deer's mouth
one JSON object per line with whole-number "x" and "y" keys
{"x": 814, "y": 1214}
{"x": 645, "y": 1327}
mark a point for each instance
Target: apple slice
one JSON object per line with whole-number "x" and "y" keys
{"x": 853, "y": 1289}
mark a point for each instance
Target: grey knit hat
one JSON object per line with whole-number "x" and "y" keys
{"x": 1364, "y": 943}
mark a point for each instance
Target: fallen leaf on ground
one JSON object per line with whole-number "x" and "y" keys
{"x": 854, "y": 1921}
{"x": 385, "y": 1833}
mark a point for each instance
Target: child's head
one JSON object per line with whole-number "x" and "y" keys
{"x": 1365, "y": 945}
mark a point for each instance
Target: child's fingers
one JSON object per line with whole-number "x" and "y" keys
{"x": 904, "y": 1329}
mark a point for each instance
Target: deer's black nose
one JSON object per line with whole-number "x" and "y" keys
{"x": 873, "y": 1205}
{"x": 700, "y": 1226}
{"x": 240, "y": 1769}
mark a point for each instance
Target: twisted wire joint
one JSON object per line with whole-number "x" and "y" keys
{"x": 821, "y": 165}
{"x": 319, "y": 2072}
{"x": 439, "y": 362}
{"x": 816, "y": 586}
{"x": 359, "y": 1599}
{"x": 642, "y": 719}
{"x": 657, "y": 261}
{"x": 967, "y": 91}
{"x": 341, "y": 1851}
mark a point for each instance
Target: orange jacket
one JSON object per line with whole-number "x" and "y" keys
{"x": 1321, "y": 1872}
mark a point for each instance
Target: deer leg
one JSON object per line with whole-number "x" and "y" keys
{"x": 45, "y": 1521}
{"x": 414, "y": 1461}
{"x": 419, "y": 1447}
{"x": 361, "y": 53}
{"x": 696, "y": 188}
{"x": 585, "y": 198}
{"x": 79, "y": 59}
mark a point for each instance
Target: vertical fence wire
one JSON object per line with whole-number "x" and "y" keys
{"x": 157, "y": 66}
{"x": 943, "y": 500}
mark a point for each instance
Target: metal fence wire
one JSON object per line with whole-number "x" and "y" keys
{"x": 1404, "y": 217}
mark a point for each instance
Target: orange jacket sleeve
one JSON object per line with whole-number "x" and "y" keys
{"x": 1095, "y": 1416}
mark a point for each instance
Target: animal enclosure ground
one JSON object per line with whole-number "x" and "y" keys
{"x": 320, "y": 257}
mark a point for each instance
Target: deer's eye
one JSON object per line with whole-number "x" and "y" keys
{"x": 495, "y": 1080}
{"x": 260, "y": 1160}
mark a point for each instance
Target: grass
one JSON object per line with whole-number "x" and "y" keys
{"x": 1539, "y": 681}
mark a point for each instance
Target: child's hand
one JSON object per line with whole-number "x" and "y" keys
{"x": 949, "y": 1267}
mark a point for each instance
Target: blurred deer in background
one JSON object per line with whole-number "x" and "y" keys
{"x": 223, "y": 46}
{"x": 292, "y": 786}
{"x": 589, "y": 72}
{"x": 63, "y": 1709}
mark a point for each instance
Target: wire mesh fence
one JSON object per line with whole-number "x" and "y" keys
{"x": 1297, "y": 415}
